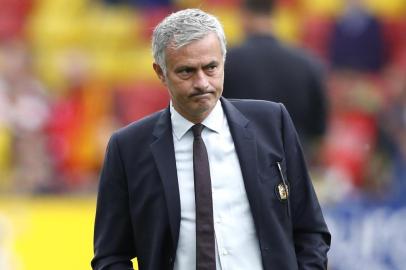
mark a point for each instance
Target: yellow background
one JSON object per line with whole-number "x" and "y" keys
{"x": 46, "y": 233}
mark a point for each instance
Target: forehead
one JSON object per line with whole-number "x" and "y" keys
{"x": 197, "y": 52}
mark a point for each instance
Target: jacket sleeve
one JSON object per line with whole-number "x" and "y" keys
{"x": 310, "y": 233}
{"x": 113, "y": 235}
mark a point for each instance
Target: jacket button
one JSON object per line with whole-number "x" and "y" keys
{"x": 170, "y": 260}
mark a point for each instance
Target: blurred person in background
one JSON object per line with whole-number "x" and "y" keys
{"x": 356, "y": 56}
{"x": 81, "y": 119}
{"x": 24, "y": 110}
{"x": 350, "y": 144}
{"x": 357, "y": 41}
{"x": 153, "y": 203}
{"x": 264, "y": 68}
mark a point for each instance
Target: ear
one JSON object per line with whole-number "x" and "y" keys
{"x": 159, "y": 72}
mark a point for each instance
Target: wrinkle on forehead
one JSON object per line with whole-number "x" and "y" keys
{"x": 193, "y": 53}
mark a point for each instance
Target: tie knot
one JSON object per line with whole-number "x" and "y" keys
{"x": 197, "y": 130}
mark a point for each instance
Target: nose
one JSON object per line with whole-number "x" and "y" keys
{"x": 201, "y": 81}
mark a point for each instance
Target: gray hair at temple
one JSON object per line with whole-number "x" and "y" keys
{"x": 181, "y": 28}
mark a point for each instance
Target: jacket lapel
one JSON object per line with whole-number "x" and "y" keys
{"x": 246, "y": 148}
{"x": 164, "y": 155}
{"x": 245, "y": 144}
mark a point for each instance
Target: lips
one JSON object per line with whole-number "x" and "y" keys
{"x": 201, "y": 94}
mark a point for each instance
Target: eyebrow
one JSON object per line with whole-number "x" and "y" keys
{"x": 192, "y": 68}
{"x": 212, "y": 63}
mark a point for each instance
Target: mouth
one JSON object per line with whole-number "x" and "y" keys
{"x": 201, "y": 95}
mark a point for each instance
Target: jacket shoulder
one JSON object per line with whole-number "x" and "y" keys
{"x": 261, "y": 113}
{"x": 256, "y": 106}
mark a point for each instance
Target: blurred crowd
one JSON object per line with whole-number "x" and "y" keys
{"x": 73, "y": 71}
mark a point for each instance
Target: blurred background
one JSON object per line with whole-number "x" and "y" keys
{"x": 72, "y": 71}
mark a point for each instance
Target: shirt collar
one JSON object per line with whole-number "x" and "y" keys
{"x": 181, "y": 125}
{"x": 214, "y": 120}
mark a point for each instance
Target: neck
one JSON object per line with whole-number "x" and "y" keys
{"x": 256, "y": 23}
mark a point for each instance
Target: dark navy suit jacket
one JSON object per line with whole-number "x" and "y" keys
{"x": 138, "y": 205}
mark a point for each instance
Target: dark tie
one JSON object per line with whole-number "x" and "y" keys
{"x": 205, "y": 244}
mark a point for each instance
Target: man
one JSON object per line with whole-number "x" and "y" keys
{"x": 263, "y": 68}
{"x": 235, "y": 196}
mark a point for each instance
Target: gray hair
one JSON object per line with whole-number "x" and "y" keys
{"x": 183, "y": 27}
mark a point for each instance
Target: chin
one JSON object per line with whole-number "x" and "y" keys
{"x": 206, "y": 105}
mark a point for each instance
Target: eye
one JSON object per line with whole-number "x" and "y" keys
{"x": 211, "y": 68}
{"x": 185, "y": 72}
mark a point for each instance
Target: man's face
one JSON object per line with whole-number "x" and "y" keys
{"x": 194, "y": 77}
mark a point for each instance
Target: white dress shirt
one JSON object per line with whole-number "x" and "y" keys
{"x": 237, "y": 244}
